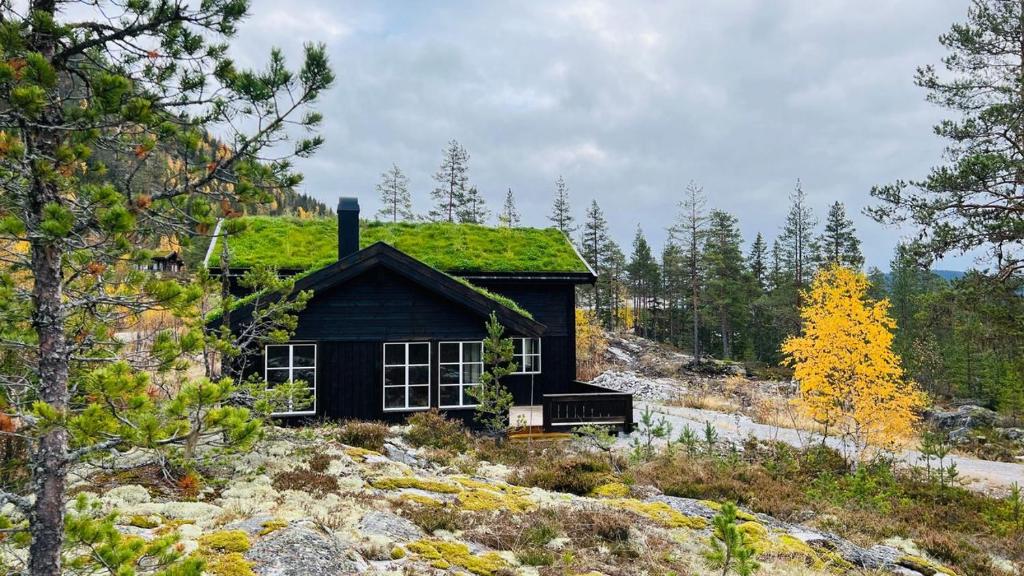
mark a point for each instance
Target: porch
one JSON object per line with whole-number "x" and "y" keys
{"x": 583, "y": 404}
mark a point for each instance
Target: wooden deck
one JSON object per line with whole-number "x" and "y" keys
{"x": 585, "y": 404}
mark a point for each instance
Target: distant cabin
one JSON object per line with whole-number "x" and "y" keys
{"x": 396, "y": 321}
{"x": 165, "y": 262}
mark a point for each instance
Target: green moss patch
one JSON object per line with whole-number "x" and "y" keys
{"x": 301, "y": 244}
{"x": 443, "y": 555}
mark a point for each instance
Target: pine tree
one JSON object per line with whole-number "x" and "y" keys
{"x": 509, "y": 214}
{"x": 974, "y": 202}
{"x": 797, "y": 243}
{"x": 604, "y": 255}
{"x": 452, "y": 184}
{"x": 84, "y": 216}
{"x": 396, "y": 203}
{"x": 688, "y": 231}
{"x": 726, "y": 289}
{"x": 673, "y": 280}
{"x": 838, "y": 242}
{"x": 474, "y": 208}
{"x": 561, "y": 211}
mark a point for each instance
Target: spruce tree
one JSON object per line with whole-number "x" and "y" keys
{"x": 726, "y": 289}
{"x": 393, "y": 189}
{"x": 838, "y": 242}
{"x": 105, "y": 147}
{"x": 561, "y": 211}
{"x": 607, "y": 260}
{"x": 757, "y": 262}
{"x": 974, "y": 201}
{"x": 452, "y": 179}
{"x": 643, "y": 277}
{"x": 509, "y": 213}
{"x": 474, "y": 208}
{"x": 673, "y": 281}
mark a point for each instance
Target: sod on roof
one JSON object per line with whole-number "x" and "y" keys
{"x": 301, "y": 244}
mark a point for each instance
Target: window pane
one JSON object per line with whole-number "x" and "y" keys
{"x": 450, "y": 374}
{"x": 277, "y": 356}
{"x": 303, "y": 403}
{"x": 449, "y": 396}
{"x": 419, "y": 375}
{"x": 394, "y": 376}
{"x": 524, "y": 364}
{"x": 394, "y": 397}
{"x": 307, "y": 375}
{"x": 531, "y": 345}
{"x": 394, "y": 354}
{"x": 304, "y": 355}
{"x": 418, "y": 396}
{"x": 472, "y": 351}
{"x": 471, "y": 373}
{"x": 277, "y": 376}
{"x": 419, "y": 353}
{"x": 467, "y": 396}
{"x": 449, "y": 352}
{"x": 518, "y": 345}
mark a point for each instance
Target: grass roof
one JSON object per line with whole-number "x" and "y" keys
{"x": 302, "y": 244}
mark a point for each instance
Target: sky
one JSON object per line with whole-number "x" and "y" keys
{"x": 628, "y": 101}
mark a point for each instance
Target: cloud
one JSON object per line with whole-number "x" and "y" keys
{"x": 628, "y": 101}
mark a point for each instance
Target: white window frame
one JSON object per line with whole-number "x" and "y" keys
{"x": 406, "y": 386}
{"x": 461, "y": 385}
{"x": 291, "y": 368}
{"x": 517, "y": 357}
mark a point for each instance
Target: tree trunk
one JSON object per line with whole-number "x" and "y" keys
{"x": 49, "y": 467}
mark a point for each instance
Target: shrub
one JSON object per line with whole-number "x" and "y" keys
{"x": 535, "y": 557}
{"x": 307, "y": 481}
{"x": 368, "y": 435}
{"x": 432, "y": 518}
{"x": 432, "y": 429}
{"x": 579, "y": 474}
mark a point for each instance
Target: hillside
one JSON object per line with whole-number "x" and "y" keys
{"x": 304, "y": 503}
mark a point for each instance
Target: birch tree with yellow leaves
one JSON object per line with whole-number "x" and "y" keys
{"x": 851, "y": 381}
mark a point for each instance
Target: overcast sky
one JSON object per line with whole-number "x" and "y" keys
{"x": 628, "y": 101}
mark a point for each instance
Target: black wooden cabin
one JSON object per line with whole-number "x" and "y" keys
{"x": 385, "y": 334}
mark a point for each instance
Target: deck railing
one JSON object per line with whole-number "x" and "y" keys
{"x": 588, "y": 404}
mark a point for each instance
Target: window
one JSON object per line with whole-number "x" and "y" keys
{"x": 527, "y": 355}
{"x": 461, "y": 365}
{"x": 406, "y": 375}
{"x": 291, "y": 363}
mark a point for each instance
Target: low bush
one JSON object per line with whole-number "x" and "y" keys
{"x": 368, "y": 435}
{"x": 578, "y": 474}
{"x": 306, "y": 480}
{"x": 432, "y": 518}
{"x": 431, "y": 429}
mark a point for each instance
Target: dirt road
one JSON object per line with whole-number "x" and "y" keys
{"x": 981, "y": 475}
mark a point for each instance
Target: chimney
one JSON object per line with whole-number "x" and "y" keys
{"x": 348, "y": 227}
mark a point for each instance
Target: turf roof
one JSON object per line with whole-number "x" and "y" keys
{"x": 302, "y": 244}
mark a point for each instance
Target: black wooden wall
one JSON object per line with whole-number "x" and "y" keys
{"x": 350, "y": 323}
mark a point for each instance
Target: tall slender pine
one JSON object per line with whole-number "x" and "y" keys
{"x": 393, "y": 188}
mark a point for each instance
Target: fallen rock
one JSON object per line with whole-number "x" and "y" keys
{"x": 390, "y": 526}
{"x": 301, "y": 550}
{"x": 968, "y": 416}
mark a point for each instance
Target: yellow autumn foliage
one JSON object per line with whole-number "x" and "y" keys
{"x": 850, "y": 379}
{"x": 590, "y": 344}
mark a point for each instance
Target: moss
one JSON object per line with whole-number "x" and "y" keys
{"x": 301, "y": 244}
{"x": 397, "y": 553}
{"x": 924, "y": 565}
{"x": 660, "y": 512}
{"x": 359, "y": 454}
{"x": 400, "y": 482}
{"x": 487, "y": 500}
{"x": 140, "y": 521}
{"x": 233, "y": 564}
{"x": 226, "y": 541}
{"x": 740, "y": 514}
{"x": 443, "y": 555}
{"x": 756, "y": 535}
{"x": 611, "y": 490}
{"x": 271, "y": 526}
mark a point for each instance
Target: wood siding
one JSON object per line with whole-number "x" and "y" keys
{"x": 350, "y": 322}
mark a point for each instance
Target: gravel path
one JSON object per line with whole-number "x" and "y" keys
{"x": 983, "y": 475}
